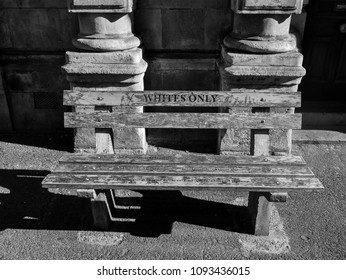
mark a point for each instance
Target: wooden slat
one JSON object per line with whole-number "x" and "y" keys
{"x": 167, "y": 182}
{"x": 183, "y": 98}
{"x": 182, "y": 159}
{"x": 184, "y": 120}
{"x": 184, "y": 169}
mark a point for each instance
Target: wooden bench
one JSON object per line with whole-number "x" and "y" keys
{"x": 266, "y": 177}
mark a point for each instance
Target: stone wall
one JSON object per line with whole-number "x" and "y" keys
{"x": 182, "y": 41}
{"x": 34, "y": 35}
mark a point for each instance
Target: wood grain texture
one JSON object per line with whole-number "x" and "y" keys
{"x": 185, "y": 182}
{"x": 183, "y": 120}
{"x": 181, "y": 159}
{"x": 183, "y": 98}
{"x": 184, "y": 169}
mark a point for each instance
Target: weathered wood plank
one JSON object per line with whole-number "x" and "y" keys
{"x": 171, "y": 182}
{"x": 84, "y": 138}
{"x": 183, "y": 98}
{"x": 184, "y": 169}
{"x": 183, "y": 120}
{"x": 181, "y": 159}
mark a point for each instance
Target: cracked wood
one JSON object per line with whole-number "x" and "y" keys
{"x": 183, "y": 120}
{"x": 182, "y": 98}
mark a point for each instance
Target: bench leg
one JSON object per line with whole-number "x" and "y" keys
{"x": 101, "y": 211}
{"x": 259, "y": 208}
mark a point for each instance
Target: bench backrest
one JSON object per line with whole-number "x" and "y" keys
{"x": 258, "y": 118}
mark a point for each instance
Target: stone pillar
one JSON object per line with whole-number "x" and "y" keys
{"x": 108, "y": 59}
{"x": 261, "y": 53}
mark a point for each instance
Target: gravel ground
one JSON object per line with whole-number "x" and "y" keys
{"x": 37, "y": 224}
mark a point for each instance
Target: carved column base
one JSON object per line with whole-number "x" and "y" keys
{"x": 260, "y": 54}
{"x": 258, "y": 45}
{"x": 258, "y": 72}
{"x": 111, "y": 71}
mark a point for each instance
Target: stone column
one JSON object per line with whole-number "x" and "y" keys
{"x": 261, "y": 53}
{"x": 108, "y": 59}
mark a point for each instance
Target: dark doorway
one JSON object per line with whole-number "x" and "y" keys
{"x": 324, "y": 49}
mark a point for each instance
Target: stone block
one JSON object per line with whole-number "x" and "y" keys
{"x": 280, "y": 141}
{"x": 95, "y": 79}
{"x": 183, "y": 4}
{"x": 5, "y": 119}
{"x": 217, "y": 25}
{"x": 266, "y": 6}
{"x": 256, "y": 87}
{"x": 234, "y": 141}
{"x": 105, "y": 76}
{"x": 100, "y": 6}
{"x": 148, "y": 27}
{"x": 41, "y": 74}
{"x": 5, "y": 31}
{"x": 33, "y": 4}
{"x": 172, "y": 62}
{"x": 182, "y": 74}
{"x": 262, "y": 75}
{"x": 270, "y": 4}
{"x": 2, "y": 90}
{"x": 230, "y": 57}
{"x": 28, "y": 118}
{"x": 37, "y": 29}
{"x": 182, "y": 80}
{"x": 105, "y": 69}
{"x": 133, "y": 56}
{"x": 183, "y": 29}
{"x": 110, "y": 86}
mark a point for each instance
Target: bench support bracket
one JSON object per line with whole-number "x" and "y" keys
{"x": 101, "y": 212}
{"x": 259, "y": 208}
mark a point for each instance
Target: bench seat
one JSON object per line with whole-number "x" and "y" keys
{"x": 183, "y": 172}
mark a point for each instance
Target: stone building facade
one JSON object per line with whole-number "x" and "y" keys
{"x": 186, "y": 46}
